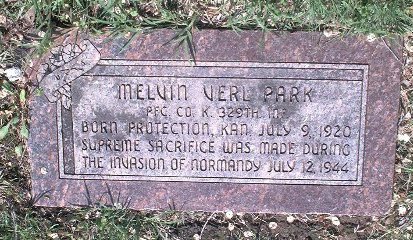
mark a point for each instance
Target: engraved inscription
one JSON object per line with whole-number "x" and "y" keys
{"x": 241, "y": 122}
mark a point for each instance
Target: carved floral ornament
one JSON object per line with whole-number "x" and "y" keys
{"x": 66, "y": 64}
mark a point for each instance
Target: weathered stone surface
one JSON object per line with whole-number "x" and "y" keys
{"x": 278, "y": 123}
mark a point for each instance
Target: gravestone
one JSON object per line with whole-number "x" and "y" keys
{"x": 251, "y": 121}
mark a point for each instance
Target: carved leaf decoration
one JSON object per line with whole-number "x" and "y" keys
{"x": 66, "y": 64}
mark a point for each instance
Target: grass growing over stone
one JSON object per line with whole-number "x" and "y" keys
{"x": 28, "y": 27}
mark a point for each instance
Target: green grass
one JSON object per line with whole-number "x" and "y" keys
{"x": 90, "y": 223}
{"x": 356, "y": 16}
{"x": 31, "y": 25}
{"x": 381, "y": 17}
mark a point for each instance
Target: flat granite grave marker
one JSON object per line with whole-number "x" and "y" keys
{"x": 253, "y": 122}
